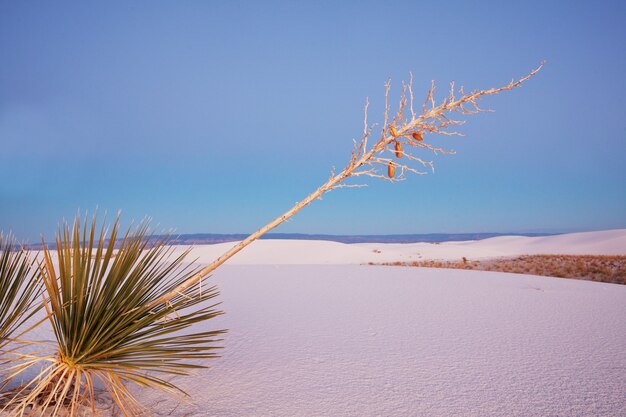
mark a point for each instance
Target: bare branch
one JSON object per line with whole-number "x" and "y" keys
{"x": 434, "y": 119}
{"x": 411, "y": 95}
{"x": 349, "y": 186}
{"x": 387, "y": 87}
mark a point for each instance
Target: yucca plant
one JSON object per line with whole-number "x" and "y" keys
{"x": 19, "y": 289}
{"x": 100, "y": 304}
{"x": 118, "y": 316}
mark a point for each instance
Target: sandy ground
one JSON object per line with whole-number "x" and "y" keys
{"x": 314, "y": 333}
{"x": 303, "y": 252}
{"x": 386, "y": 341}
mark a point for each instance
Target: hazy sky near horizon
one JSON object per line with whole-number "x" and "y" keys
{"x": 218, "y": 116}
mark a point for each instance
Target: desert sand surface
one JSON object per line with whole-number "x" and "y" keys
{"x": 350, "y": 340}
{"x": 313, "y": 333}
{"x": 307, "y": 252}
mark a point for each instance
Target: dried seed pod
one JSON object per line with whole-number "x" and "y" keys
{"x": 391, "y": 169}
{"x": 398, "y": 147}
{"x": 418, "y": 136}
{"x": 393, "y": 131}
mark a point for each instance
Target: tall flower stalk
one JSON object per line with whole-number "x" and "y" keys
{"x": 395, "y": 152}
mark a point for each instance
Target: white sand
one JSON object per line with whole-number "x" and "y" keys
{"x": 307, "y": 252}
{"x": 342, "y": 339}
{"x": 354, "y": 340}
{"x": 390, "y": 341}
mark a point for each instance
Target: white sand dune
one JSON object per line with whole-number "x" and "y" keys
{"x": 286, "y": 252}
{"x": 313, "y": 334}
{"x": 309, "y": 252}
{"x": 353, "y": 340}
{"x": 356, "y": 340}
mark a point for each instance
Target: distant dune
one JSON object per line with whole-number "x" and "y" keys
{"x": 211, "y": 238}
{"x": 277, "y": 252}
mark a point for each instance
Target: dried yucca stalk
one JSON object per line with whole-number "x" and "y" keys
{"x": 401, "y": 135}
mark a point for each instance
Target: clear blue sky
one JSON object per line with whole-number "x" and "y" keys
{"x": 217, "y": 116}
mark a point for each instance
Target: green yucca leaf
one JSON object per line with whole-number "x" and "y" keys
{"x": 99, "y": 291}
{"x": 20, "y": 287}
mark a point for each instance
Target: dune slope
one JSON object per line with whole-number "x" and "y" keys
{"x": 308, "y": 252}
{"x": 370, "y": 341}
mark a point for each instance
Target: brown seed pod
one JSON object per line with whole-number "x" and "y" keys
{"x": 393, "y": 131}
{"x": 391, "y": 169}
{"x": 398, "y": 147}
{"x": 418, "y": 136}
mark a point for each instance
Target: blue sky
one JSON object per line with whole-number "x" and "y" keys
{"x": 217, "y": 116}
